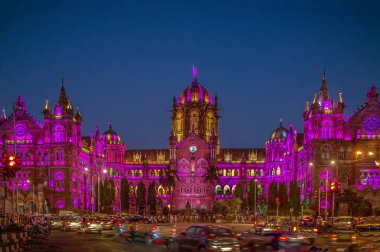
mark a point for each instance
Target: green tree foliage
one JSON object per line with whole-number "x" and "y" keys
{"x": 295, "y": 197}
{"x": 211, "y": 175}
{"x": 283, "y": 197}
{"x": 272, "y": 194}
{"x": 168, "y": 178}
{"x": 251, "y": 195}
{"x": 140, "y": 197}
{"x": 357, "y": 204}
{"x": 228, "y": 206}
{"x": 124, "y": 194}
{"x": 239, "y": 191}
{"x": 152, "y": 197}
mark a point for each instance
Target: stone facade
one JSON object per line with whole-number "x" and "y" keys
{"x": 60, "y": 167}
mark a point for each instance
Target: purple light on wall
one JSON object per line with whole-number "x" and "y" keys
{"x": 24, "y": 185}
{"x": 325, "y": 204}
{"x": 75, "y": 202}
{"x": 59, "y": 176}
{"x": 60, "y": 204}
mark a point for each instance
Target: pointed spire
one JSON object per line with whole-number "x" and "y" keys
{"x": 47, "y": 104}
{"x": 110, "y": 125}
{"x": 307, "y": 108}
{"x": 340, "y": 97}
{"x": 324, "y": 91}
{"x": 78, "y": 116}
{"x": 62, "y": 95}
{"x": 4, "y": 114}
{"x": 281, "y": 122}
{"x": 315, "y": 99}
{"x": 68, "y": 106}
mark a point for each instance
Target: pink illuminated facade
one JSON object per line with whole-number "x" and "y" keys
{"x": 62, "y": 167}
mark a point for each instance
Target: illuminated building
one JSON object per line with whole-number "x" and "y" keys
{"x": 64, "y": 166}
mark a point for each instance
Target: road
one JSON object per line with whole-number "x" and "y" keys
{"x": 60, "y": 241}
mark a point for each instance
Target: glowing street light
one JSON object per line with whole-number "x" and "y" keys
{"x": 332, "y": 162}
{"x": 370, "y": 153}
{"x": 105, "y": 171}
{"x": 86, "y": 169}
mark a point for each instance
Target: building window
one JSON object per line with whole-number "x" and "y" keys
{"x": 59, "y": 133}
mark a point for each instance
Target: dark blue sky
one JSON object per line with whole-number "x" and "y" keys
{"x": 124, "y": 61}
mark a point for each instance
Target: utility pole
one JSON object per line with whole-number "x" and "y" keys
{"x": 327, "y": 182}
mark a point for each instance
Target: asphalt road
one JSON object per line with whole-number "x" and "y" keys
{"x": 60, "y": 241}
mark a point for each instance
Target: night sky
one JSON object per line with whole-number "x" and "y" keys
{"x": 124, "y": 61}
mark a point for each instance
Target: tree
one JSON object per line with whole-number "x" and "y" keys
{"x": 272, "y": 194}
{"x": 152, "y": 197}
{"x": 140, "y": 197}
{"x": 168, "y": 178}
{"x": 239, "y": 191}
{"x": 124, "y": 195}
{"x": 211, "y": 175}
{"x": 251, "y": 195}
{"x": 294, "y": 197}
{"x": 283, "y": 197}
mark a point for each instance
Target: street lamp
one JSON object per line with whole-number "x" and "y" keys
{"x": 29, "y": 182}
{"x": 255, "y": 198}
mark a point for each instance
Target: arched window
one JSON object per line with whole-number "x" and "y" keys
{"x": 58, "y": 155}
{"x": 195, "y": 120}
{"x": 218, "y": 190}
{"x": 59, "y": 133}
{"x": 278, "y": 171}
{"x": 161, "y": 190}
{"x": 226, "y": 190}
{"x": 327, "y": 129}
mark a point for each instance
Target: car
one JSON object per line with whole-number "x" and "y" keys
{"x": 91, "y": 227}
{"x": 341, "y": 223}
{"x": 55, "y": 223}
{"x": 107, "y": 223}
{"x": 148, "y": 233}
{"x": 137, "y": 218}
{"x": 274, "y": 240}
{"x": 207, "y": 238}
{"x": 371, "y": 229}
{"x": 72, "y": 223}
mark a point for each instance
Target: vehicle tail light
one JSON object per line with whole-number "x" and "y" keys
{"x": 315, "y": 230}
{"x": 154, "y": 228}
{"x": 283, "y": 238}
{"x": 353, "y": 237}
{"x": 102, "y": 223}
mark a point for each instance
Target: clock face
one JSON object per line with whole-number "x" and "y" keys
{"x": 20, "y": 130}
{"x": 193, "y": 148}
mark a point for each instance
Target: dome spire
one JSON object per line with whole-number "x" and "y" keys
{"x": 195, "y": 73}
{"x": 110, "y": 125}
{"x": 4, "y": 114}
{"x": 324, "y": 91}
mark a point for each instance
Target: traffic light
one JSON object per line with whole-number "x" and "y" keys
{"x": 11, "y": 161}
{"x": 333, "y": 186}
{"x": 277, "y": 200}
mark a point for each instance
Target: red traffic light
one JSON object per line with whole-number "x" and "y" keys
{"x": 277, "y": 200}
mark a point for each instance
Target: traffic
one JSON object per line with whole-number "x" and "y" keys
{"x": 305, "y": 233}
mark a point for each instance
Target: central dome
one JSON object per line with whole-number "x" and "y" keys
{"x": 279, "y": 133}
{"x": 110, "y": 136}
{"x": 195, "y": 93}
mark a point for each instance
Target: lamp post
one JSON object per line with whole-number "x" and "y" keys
{"x": 32, "y": 195}
{"x": 255, "y": 198}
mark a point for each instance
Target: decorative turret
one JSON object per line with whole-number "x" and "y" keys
{"x": 46, "y": 112}
{"x": 340, "y": 105}
{"x": 4, "y": 115}
{"x": 306, "y": 113}
{"x": 78, "y": 116}
{"x": 69, "y": 108}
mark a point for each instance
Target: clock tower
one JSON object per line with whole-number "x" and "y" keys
{"x": 194, "y": 143}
